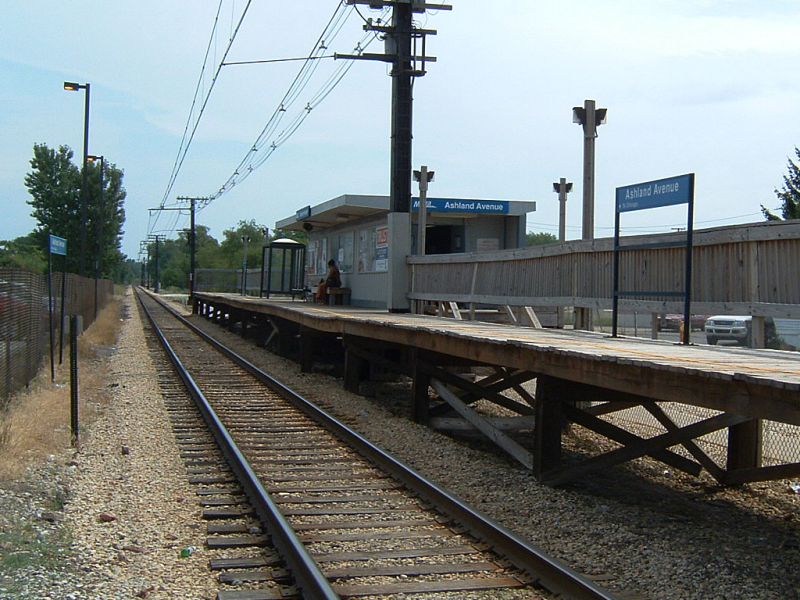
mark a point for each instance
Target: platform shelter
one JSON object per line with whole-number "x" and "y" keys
{"x": 360, "y": 233}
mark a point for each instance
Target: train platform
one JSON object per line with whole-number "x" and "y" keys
{"x": 580, "y": 377}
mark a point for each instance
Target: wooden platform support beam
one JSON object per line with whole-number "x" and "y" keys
{"x": 636, "y": 449}
{"x": 745, "y": 445}
{"x": 550, "y": 423}
{"x": 519, "y": 453}
{"x": 354, "y": 365}
{"x": 476, "y": 391}
{"x": 420, "y": 383}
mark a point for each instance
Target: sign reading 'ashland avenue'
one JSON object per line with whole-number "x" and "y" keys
{"x": 653, "y": 194}
{"x": 453, "y": 205}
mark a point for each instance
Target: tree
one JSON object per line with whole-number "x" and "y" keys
{"x": 789, "y": 195}
{"x": 232, "y": 247}
{"x": 539, "y": 239}
{"x": 24, "y": 253}
{"x": 54, "y": 184}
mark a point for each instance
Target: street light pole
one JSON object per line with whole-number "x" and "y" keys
{"x": 74, "y": 87}
{"x": 98, "y": 266}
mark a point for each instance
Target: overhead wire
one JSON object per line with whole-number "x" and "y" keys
{"x": 268, "y": 141}
{"x": 270, "y": 138}
{"x": 183, "y": 149}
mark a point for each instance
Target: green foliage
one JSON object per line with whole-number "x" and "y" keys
{"x": 232, "y": 247}
{"x": 539, "y": 239}
{"x": 54, "y": 184}
{"x": 789, "y": 195}
{"x": 128, "y": 272}
{"x": 174, "y": 258}
{"x": 24, "y": 253}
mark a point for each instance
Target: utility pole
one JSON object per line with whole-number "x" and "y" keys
{"x": 401, "y": 38}
{"x": 562, "y": 188}
{"x": 192, "y": 239}
{"x": 589, "y": 117}
{"x": 191, "y": 234}
{"x": 156, "y": 284}
{"x": 245, "y": 239}
{"x": 401, "y": 43}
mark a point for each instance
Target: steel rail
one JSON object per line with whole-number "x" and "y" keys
{"x": 546, "y": 570}
{"x": 307, "y": 575}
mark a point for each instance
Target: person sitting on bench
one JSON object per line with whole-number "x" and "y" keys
{"x": 333, "y": 280}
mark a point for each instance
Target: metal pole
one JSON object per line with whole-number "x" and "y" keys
{"x": 157, "y": 277}
{"x": 82, "y": 270}
{"x": 615, "y": 300}
{"x": 50, "y": 314}
{"x": 75, "y": 324}
{"x": 192, "y": 250}
{"x": 63, "y": 310}
{"x": 98, "y": 265}
{"x": 245, "y": 239}
{"x": 402, "y": 104}
{"x": 687, "y": 306}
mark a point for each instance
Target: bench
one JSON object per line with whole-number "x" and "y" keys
{"x": 304, "y": 293}
{"x": 340, "y": 295}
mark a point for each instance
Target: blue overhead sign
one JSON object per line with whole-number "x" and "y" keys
{"x": 58, "y": 245}
{"x": 494, "y": 207}
{"x": 653, "y": 194}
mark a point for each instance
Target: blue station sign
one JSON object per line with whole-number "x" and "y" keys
{"x": 493, "y": 207}
{"x": 58, "y": 245}
{"x": 654, "y": 194}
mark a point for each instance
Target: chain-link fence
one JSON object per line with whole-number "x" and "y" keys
{"x": 25, "y": 305}
{"x": 781, "y": 441}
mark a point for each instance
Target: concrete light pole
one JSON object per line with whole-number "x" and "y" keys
{"x": 423, "y": 176}
{"x": 562, "y": 188}
{"x": 589, "y": 117}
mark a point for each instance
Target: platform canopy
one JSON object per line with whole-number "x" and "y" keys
{"x": 352, "y": 207}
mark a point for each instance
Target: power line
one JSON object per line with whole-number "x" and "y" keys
{"x": 268, "y": 140}
{"x": 184, "y": 146}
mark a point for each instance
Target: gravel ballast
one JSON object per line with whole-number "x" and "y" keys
{"x": 640, "y": 527}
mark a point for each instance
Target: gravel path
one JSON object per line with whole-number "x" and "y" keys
{"x": 644, "y": 529}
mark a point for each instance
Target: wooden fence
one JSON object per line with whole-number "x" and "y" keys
{"x": 751, "y": 269}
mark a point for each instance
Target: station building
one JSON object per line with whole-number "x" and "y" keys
{"x": 360, "y": 234}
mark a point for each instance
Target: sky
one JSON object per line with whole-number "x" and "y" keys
{"x": 691, "y": 86}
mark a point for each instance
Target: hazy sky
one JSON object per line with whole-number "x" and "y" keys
{"x": 703, "y": 86}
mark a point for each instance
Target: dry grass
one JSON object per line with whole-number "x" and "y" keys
{"x": 36, "y": 422}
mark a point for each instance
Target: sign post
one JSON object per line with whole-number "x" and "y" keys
{"x": 57, "y": 246}
{"x": 655, "y": 194}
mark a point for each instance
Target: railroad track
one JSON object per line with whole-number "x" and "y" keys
{"x": 303, "y": 507}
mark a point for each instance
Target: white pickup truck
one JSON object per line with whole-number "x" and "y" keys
{"x": 725, "y": 327}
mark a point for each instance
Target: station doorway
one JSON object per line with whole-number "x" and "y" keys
{"x": 444, "y": 239}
